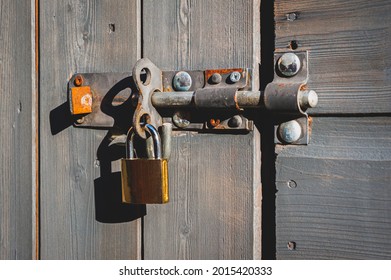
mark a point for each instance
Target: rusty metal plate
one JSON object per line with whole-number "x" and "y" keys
{"x": 111, "y": 99}
{"x": 113, "y": 104}
{"x": 80, "y": 100}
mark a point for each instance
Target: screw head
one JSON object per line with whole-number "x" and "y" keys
{"x": 215, "y": 78}
{"x": 78, "y": 81}
{"x": 289, "y": 64}
{"x": 181, "y": 119}
{"x": 291, "y": 16}
{"x": 234, "y": 77}
{"x": 289, "y": 132}
{"x": 235, "y": 121}
{"x": 182, "y": 81}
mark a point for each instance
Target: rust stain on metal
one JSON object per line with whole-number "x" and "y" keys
{"x": 209, "y": 73}
{"x": 81, "y": 100}
{"x": 309, "y": 125}
{"x": 303, "y": 87}
{"x": 214, "y": 122}
{"x": 168, "y": 88}
{"x": 237, "y": 103}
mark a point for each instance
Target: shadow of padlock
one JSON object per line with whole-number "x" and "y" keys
{"x": 144, "y": 180}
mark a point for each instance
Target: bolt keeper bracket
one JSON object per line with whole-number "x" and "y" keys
{"x": 288, "y": 96}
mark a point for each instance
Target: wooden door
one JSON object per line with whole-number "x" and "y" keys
{"x": 339, "y": 207}
{"x": 60, "y": 185}
{"x": 215, "y": 191}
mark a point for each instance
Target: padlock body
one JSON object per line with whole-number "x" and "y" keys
{"x": 144, "y": 181}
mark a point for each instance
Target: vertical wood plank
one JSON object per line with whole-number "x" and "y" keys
{"x": 77, "y": 180}
{"x": 215, "y": 191}
{"x": 16, "y": 137}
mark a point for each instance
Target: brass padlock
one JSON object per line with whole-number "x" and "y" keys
{"x": 144, "y": 180}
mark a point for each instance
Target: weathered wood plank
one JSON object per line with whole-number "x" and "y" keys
{"x": 349, "y": 42}
{"x": 341, "y": 205}
{"x": 16, "y": 137}
{"x": 80, "y": 199}
{"x": 215, "y": 193}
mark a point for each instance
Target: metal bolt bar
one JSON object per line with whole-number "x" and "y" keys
{"x": 244, "y": 100}
{"x": 173, "y": 99}
{"x": 185, "y": 99}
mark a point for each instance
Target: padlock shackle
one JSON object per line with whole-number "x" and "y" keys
{"x": 156, "y": 140}
{"x": 129, "y": 143}
{"x": 155, "y": 137}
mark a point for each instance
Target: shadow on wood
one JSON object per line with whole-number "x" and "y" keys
{"x": 60, "y": 118}
{"x": 108, "y": 195}
{"x": 108, "y": 204}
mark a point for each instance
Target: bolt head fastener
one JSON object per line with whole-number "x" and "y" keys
{"x": 289, "y": 132}
{"x": 235, "y": 121}
{"x": 289, "y": 64}
{"x": 78, "y": 81}
{"x": 182, "y": 81}
{"x": 291, "y": 16}
{"x": 308, "y": 99}
{"x": 181, "y": 119}
{"x": 235, "y": 76}
{"x": 215, "y": 78}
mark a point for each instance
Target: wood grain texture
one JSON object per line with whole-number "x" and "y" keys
{"x": 76, "y": 182}
{"x": 350, "y": 61}
{"x": 16, "y": 137}
{"x": 215, "y": 191}
{"x": 341, "y": 206}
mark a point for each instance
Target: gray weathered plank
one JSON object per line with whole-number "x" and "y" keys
{"x": 341, "y": 205}
{"x": 17, "y": 134}
{"x": 349, "y": 42}
{"x": 215, "y": 193}
{"x": 81, "y": 207}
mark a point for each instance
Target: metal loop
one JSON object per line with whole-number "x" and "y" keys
{"x": 156, "y": 140}
{"x": 155, "y": 137}
{"x": 129, "y": 143}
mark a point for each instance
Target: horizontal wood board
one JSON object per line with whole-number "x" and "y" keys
{"x": 341, "y": 205}
{"x": 348, "y": 41}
